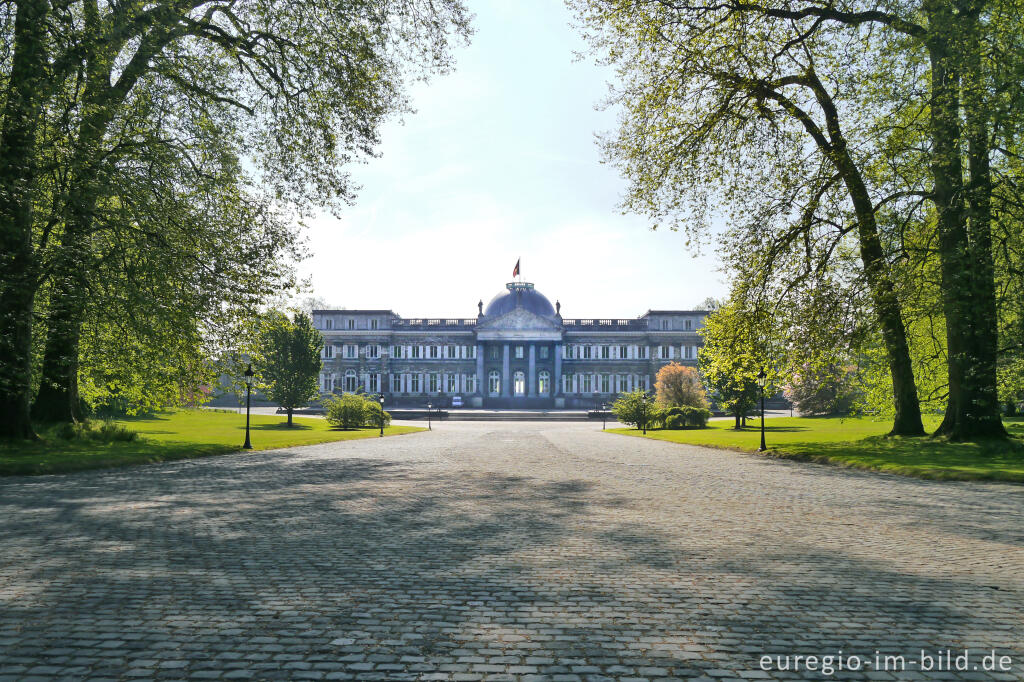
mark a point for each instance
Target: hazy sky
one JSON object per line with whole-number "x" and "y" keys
{"x": 499, "y": 162}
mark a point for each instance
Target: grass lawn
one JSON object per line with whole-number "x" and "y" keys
{"x": 173, "y": 435}
{"x": 861, "y": 443}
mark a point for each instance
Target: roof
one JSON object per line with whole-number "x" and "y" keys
{"x": 674, "y": 312}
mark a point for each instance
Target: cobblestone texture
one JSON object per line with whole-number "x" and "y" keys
{"x": 486, "y": 551}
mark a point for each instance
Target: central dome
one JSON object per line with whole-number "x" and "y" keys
{"x": 520, "y": 295}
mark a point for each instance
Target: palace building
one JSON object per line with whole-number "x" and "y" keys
{"x": 517, "y": 352}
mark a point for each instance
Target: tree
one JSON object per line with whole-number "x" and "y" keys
{"x": 289, "y": 366}
{"x": 736, "y": 348}
{"x": 677, "y": 385}
{"x": 725, "y": 111}
{"x": 821, "y": 391}
{"x": 299, "y": 88}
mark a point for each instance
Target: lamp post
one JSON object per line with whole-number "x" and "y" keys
{"x": 761, "y": 380}
{"x": 429, "y": 427}
{"x": 381, "y": 416}
{"x": 645, "y": 413}
{"x": 604, "y": 416}
{"x": 249, "y": 374}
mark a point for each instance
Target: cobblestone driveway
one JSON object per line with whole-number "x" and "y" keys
{"x": 486, "y": 551}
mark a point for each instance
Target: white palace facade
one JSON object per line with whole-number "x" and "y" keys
{"x": 517, "y": 352}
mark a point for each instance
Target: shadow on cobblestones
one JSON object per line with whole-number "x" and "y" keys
{"x": 284, "y": 566}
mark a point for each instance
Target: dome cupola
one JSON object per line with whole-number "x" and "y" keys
{"x": 520, "y": 295}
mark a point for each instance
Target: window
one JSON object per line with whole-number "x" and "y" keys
{"x": 566, "y": 383}
{"x": 373, "y": 351}
{"x": 585, "y": 383}
{"x": 374, "y": 383}
{"x": 435, "y": 352}
{"x": 665, "y": 352}
{"x": 622, "y": 383}
{"x": 543, "y": 352}
{"x": 453, "y": 351}
{"x": 519, "y": 352}
{"x": 328, "y": 351}
{"x": 543, "y": 382}
{"x": 452, "y": 382}
{"x": 494, "y": 352}
{"x": 664, "y": 324}
{"x": 351, "y": 381}
{"x": 606, "y": 352}
{"x": 642, "y": 352}
{"x": 587, "y": 349}
{"x": 519, "y": 382}
{"x": 689, "y": 325}
{"x": 623, "y": 352}
{"x": 494, "y": 382}
{"x": 328, "y": 323}
{"x": 469, "y": 383}
{"x": 606, "y": 383}
{"x": 433, "y": 381}
{"x": 472, "y": 351}
{"x": 351, "y": 323}
{"x": 415, "y": 351}
{"x": 351, "y": 350}
{"x": 373, "y": 323}
{"x": 396, "y": 383}
{"x": 414, "y": 383}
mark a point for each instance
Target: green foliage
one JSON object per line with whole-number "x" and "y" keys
{"x": 635, "y": 408}
{"x": 289, "y": 365}
{"x": 685, "y": 417}
{"x": 738, "y": 344}
{"x": 353, "y": 411}
{"x": 107, "y": 431}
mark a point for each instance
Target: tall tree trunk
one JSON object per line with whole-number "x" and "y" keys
{"x": 965, "y": 242}
{"x": 58, "y": 396}
{"x": 884, "y": 299}
{"x": 24, "y": 100}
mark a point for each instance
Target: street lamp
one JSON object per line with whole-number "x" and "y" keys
{"x": 249, "y": 374}
{"x": 429, "y": 427}
{"x": 381, "y": 416}
{"x": 761, "y": 380}
{"x": 645, "y": 413}
{"x": 604, "y": 416}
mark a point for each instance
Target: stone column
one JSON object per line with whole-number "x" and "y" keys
{"x": 531, "y": 379}
{"x": 481, "y": 387}
{"x": 506, "y": 388}
{"x": 556, "y": 380}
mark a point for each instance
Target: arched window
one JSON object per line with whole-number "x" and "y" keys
{"x": 494, "y": 382}
{"x": 351, "y": 381}
{"x": 519, "y": 383}
{"x": 544, "y": 382}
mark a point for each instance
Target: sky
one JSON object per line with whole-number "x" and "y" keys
{"x": 498, "y": 163}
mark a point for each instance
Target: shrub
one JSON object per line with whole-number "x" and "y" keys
{"x": 686, "y": 417}
{"x": 629, "y": 409}
{"x": 350, "y": 411}
{"x": 106, "y": 431}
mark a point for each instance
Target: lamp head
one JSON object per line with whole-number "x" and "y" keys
{"x": 249, "y": 374}
{"x": 761, "y": 378}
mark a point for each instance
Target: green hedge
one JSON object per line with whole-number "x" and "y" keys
{"x": 351, "y": 411}
{"x": 685, "y": 417}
